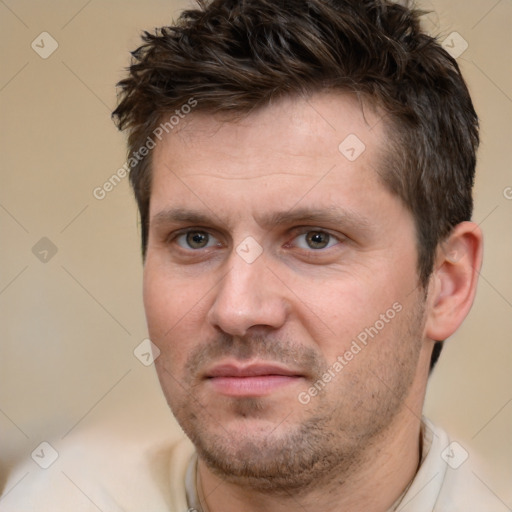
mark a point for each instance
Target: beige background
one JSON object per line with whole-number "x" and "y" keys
{"x": 69, "y": 326}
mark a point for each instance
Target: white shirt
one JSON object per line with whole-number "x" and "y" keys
{"x": 103, "y": 475}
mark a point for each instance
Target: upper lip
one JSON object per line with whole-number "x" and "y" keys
{"x": 249, "y": 370}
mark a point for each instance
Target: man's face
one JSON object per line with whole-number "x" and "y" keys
{"x": 273, "y": 250}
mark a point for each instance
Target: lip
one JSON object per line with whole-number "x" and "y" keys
{"x": 250, "y": 380}
{"x": 249, "y": 370}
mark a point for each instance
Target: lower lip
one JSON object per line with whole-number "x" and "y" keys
{"x": 251, "y": 386}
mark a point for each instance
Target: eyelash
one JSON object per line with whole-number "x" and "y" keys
{"x": 297, "y": 233}
{"x": 305, "y": 231}
{"x": 188, "y": 232}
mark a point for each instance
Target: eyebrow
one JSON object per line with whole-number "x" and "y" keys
{"x": 175, "y": 215}
{"x": 332, "y": 215}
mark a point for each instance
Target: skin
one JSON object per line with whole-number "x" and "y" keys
{"x": 300, "y": 304}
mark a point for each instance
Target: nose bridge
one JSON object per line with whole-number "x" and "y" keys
{"x": 241, "y": 282}
{"x": 247, "y": 296}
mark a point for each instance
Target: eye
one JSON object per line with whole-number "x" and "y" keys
{"x": 316, "y": 240}
{"x": 196, "y": 239}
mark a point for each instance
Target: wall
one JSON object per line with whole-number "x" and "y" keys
{"x": 70, "y": 272}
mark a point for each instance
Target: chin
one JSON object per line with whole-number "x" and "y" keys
{"x": 270, "y": 456}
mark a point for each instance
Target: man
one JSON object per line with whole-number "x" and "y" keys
{"x": 303, "y": 172}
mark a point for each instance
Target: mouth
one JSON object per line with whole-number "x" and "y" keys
{"x": 250, "y": 380}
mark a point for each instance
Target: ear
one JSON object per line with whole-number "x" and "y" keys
{"x": 453, "y": 283}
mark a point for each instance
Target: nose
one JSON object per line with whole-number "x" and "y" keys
{"x": 249, "y": 297}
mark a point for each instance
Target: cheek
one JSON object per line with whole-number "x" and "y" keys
{"x": 163, "y": 312}
{"x": 365, "y": 321}
{"x": 168, "y": 303}
{"x": 158, "y": 308}
{"x": 340, "y": 310}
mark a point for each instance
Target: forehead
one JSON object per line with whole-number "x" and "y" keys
{"x": 324, "y": 143}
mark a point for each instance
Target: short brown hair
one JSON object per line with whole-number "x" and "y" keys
{"x": 239, "y": 55}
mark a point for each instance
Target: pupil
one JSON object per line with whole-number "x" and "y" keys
{"x": 197, "y": 239}
{"x": 318, "y": 240}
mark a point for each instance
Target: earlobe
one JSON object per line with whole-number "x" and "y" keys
{"x": 453, "y": 282}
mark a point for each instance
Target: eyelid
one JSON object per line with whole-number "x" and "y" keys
{"x": 303, "y": 230}
{"x": 173, "y": 237}
{"x": 295, "y": 233}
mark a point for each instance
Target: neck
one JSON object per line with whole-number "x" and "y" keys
{"x": 388, "y": 466}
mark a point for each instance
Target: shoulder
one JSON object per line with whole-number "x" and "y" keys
{"x": 95, "y": 472}
{"x": 450, "y": 478}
